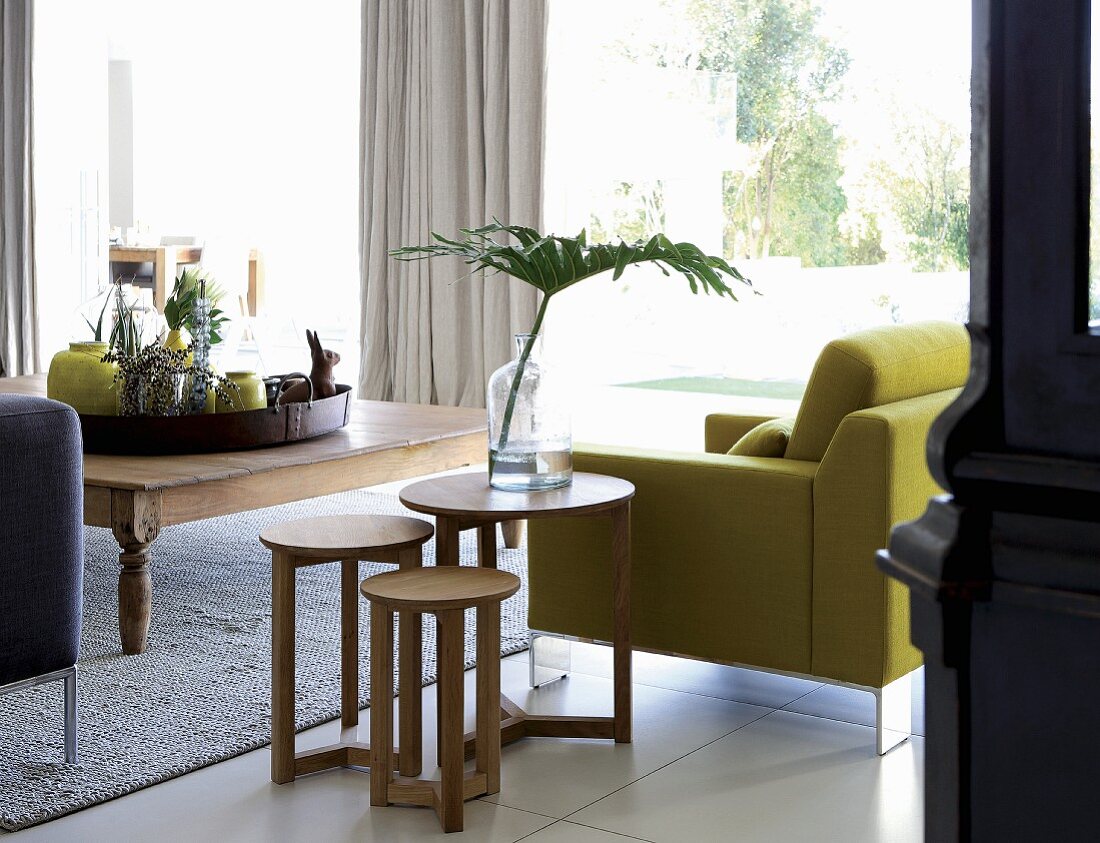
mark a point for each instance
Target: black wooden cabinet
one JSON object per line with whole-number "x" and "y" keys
{"x": 1004, "y": 571}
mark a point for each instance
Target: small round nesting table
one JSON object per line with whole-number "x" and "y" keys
{"x": 446, "y": 592}
{"x": 347, "y": 539}
{"x": 467, "y": 502}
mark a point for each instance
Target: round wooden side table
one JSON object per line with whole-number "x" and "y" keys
{"x": 347, "y": 539}
{"x": 467, "y": 502}
{"x": 446, "y": 592}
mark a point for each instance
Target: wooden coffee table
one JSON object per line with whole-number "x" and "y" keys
{"x": 467, "y": 502}
{"x": 138, "y": 496}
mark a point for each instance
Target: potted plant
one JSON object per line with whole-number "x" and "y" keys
{"x": 179, "y": 309}
{"x": 551, "y": 264}
{"x": 151, "y": 378}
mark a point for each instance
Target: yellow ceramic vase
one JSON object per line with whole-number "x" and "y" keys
{"x": 253, "y": 393}
{"x": 177, "y": 340}
{"x": 80, "y": 378}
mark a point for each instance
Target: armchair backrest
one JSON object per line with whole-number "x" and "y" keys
{"x": 875, "y": 367}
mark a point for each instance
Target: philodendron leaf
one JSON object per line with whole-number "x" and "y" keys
{"x": 552, "y": 263}
{"x": 172, "y": 314}
{"x": 622, "y": 260}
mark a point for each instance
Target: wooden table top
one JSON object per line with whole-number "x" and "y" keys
{"x": 346, "y": 536}
{"x": 147, "y": 254}
{"x": 439, "y": 589}
{"x": 471, "y": 495}
{"x": 374, "y": 426}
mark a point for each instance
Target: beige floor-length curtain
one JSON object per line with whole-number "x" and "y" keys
{"x": 451, "y": 135}
{"x": 18, "y": 305}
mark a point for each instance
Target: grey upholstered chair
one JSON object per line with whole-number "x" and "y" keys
{"x": 42, "y": 563}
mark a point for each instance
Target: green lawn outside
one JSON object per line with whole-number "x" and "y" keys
{"x": 791, "y": 390}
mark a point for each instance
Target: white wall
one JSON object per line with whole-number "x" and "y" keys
{"x": 120, "y": 103}
{"x": 70, "y": 147}
{"x": 245, "y": 128}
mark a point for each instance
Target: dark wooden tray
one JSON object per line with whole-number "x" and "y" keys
{"x": 203, "y": 434}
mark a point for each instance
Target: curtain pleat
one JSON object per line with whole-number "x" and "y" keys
{"x": 18, "y": 301}
{"x": 451, "y": 136}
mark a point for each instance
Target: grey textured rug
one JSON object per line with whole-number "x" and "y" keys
{"x": 201, "y": 692}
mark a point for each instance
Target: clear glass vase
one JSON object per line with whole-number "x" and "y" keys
{"x": 530, "y": 439}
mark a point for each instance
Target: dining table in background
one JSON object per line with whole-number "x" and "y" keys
{"x": 166, "y": 259}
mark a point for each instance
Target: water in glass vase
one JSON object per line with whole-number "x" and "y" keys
{"x": 530, "y": 466}
{"x": 530, "y": 442}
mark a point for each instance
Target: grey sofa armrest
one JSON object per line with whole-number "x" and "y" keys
{"x": 41, "y": 536}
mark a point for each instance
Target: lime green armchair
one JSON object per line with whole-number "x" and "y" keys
{"x": 768, "y": 561}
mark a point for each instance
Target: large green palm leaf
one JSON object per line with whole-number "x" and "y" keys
{"x": 552, "y": 264}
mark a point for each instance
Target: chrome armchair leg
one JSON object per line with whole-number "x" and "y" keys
{"x": 69, "y": 675}
{"x": 70, "y": 716}
{"x": 894, "y": 713}
{"x": 549, "y": 657}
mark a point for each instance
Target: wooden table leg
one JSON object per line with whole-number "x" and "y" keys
{"x": 446, "y": 541}
{"x": 446, "y": 553}
{"x": 164, "y": 275}
{"x": 488, "y": 695}
{"x": 255, "y": 282}
{"x": 487, "y": 545}
{"x": 620, "y": 589}
{"x": 452, "y": 745}
{"x": 381, "y": 704}
{"x": 282, "y": 667}
{"x": 513, "y": 532}
{"x": 487, "y": 745}
{"x": 349, "y": 643}
{"x": 411, "y": 668}
{"x": 135, "y": 521}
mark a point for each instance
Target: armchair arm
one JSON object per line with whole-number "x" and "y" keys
{"x": 721, "y": 557}
{"x": 873, "y": 476}
{"x": 723, "y": 430}
{"x": 41, "y": 514}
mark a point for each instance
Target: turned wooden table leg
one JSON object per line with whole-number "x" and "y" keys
{"x": 514, "y": 532}
{"x": 135, "y": 521}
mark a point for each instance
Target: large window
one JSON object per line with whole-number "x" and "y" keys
{"x": 823, "y": 147}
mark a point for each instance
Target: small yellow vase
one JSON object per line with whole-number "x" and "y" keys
{"x": 253, "y": 393}
{"x": 80, "y": 378}
{"x": 177, "y": 340}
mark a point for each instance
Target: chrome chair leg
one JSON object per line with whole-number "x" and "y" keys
{"x": 894, "y": 713}
{"x": 549, "y": 657}
{"x": 69, "y": 675}
{"x": 70, "y": 717}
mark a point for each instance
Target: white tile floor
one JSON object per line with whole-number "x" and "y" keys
{"x": 719, "y": 754}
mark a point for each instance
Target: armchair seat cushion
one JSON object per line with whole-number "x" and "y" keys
{"x": 715, "y": 575}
